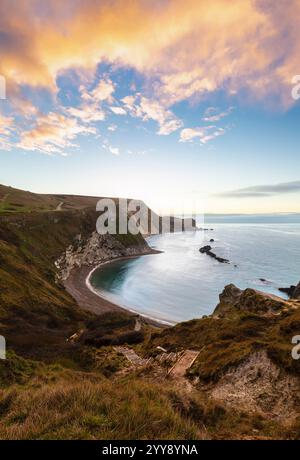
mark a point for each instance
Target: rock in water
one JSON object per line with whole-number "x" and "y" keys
{"x": 205, "y": 249}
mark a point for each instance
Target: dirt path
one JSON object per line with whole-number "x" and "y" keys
{"x": 59, "y": 206}
{"x": 185, "y": 362}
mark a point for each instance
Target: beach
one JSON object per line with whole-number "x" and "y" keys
{"x": 86, "y": 299}
{"x": 182, "y": 283}
{"x": 78, "y": 286}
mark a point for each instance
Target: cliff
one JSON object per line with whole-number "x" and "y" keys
{"x": 96, "y": 249}
{"x": 36, "y": 312}
{"x": 244, "y": 359}
{"x": 235, "y": 301}
{"x": 64, "y": 378}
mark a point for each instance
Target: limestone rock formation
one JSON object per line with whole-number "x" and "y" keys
{"x": 235, "y": 300}
{"x": 95, "y": 250}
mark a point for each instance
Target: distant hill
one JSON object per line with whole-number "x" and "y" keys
{"x": 15, "y": 200}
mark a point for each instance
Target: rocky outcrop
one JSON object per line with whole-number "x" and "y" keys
{"x": 288, "y": 291}
{"x": 207, "y": 250}
{"x": 94, "y": 250}
{"x": 296, "y": 293}
{"x": 234, "y": 300}
{"x": 258, "y": 385}
{"x": 293, "y": 291}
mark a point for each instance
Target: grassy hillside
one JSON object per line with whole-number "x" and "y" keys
{"x": 36, "y": 312}
{"x": 54, "y": 388}
{"x": 51, "y": 402}
{"x": 15, "y": 200}
{"x": 224, "y": 341}
{"x": 68, "y": 405}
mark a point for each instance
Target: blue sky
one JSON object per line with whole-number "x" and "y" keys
{"x": 144, "y": 119}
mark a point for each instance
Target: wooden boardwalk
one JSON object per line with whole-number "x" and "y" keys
{"x": 184, "y": 363}
{"x": 178, "y": 370}
{"x": 132, "y": 356}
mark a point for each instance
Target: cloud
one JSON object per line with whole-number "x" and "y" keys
{"x": 181, "y": 50}
{"x": 87, "y": 113}
{"x": 114, "y": 150}
{"x": 91, "y": 106}
{"x": 212, "y": 114}
{"x": 5, "y": 125}
{"x": 190, "y": 48}
{"x": 263, "y": 190}
{"x": 107, "y": 146}
{"x": 118, "y": 110}
{"x": 102, "y": 92}
{"x": 204, "y": 133}
{"x": 52, "y": 134}
{"x": 6, "y": 131}
{"x": 22, "y": 106}
{"x": 147, "y": 109}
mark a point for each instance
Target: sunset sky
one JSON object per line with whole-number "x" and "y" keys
{"x": 167, "y": 101}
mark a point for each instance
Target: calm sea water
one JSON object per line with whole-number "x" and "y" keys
{"x": 181, "y": 283}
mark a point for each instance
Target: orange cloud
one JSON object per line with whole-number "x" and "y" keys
{"x": 184, "y": 49}
{"x": 192, "y": 46}
{"x": 53, "y": 133}
{"x": 6, "y": 127}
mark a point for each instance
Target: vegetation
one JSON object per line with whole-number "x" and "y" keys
{"x": 65, "y": 405}
{"x": 111, "y": 329}
{"x": 83, "y": 388}
{"x": 56, "y": 403}
{"x": 14, "y": 200}
{"x": 226, "y": 342}
{"x": 37, "y": 315}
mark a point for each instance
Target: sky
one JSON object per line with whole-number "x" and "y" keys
{"x": 190, "y": 105}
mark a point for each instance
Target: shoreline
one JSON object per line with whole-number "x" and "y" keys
{"x": 79, "y": 287}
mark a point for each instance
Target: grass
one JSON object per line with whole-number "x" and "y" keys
{"x": 13, "y": 200}
{"x": 226, "y": 342}
{"x": 79, "y": 406}
{"x": 36, "y": 313}
{"x": 63, "y": 404}
{"x": 112, "y": 329}
{"x": 16, "y": 369}
{"x": 53, "y": 389}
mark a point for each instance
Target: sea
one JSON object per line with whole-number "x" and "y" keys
{"x": 180, "y": 283}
